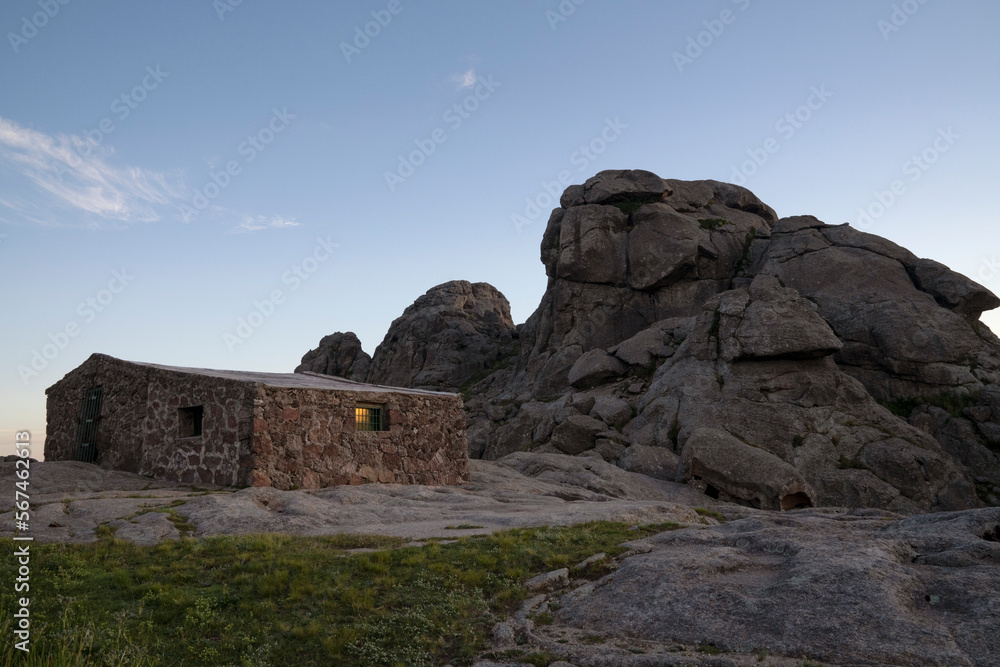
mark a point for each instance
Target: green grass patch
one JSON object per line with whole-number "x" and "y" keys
{"x": 539, "y": 659}
{"x": 711, "y": 513}
{"x": 630, "y": 203}
{"x": 268, "y": 599}
{"x": 713, "y": 331}
{"x": 181, "y": 523}
{"x": 544, "y": 618}
{"x": 747, "y": 245}
{"x": 509, "y": 355}
{"x": 653, "y": 528}
{"x": 104, "y": 532}
{"x": 711, "y": 224}
{"x": 851, "y": 464}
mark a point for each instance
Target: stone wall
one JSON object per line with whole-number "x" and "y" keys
{"x": 123, "y": 409}
{"x": 255, "y": 434}
{"x": 305, "y": 438}
{"x": 138, "y": 429}
{"x": 222, "y": 453}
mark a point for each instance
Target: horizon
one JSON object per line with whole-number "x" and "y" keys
{"x": 174, "y": 175}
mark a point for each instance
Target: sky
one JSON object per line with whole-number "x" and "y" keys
{"x": 220, "y": 183}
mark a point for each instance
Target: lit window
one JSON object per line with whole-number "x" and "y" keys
{"x": 370, "y": 418}
{"x": 189, "y": 421}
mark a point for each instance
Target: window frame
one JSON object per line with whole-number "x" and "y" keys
{"x": 196, "y": 421}
{"x": 380, "y": 412}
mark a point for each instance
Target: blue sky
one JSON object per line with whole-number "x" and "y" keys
{"x": 170, "y": 169}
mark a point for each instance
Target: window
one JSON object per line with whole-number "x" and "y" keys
{"x": 370, "y": 418}
{"x": 189, "y": 421}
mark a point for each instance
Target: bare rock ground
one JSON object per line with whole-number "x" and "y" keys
{"x": 859, "y": 587}
{"x": 70, "y": 500}
{"x": 829, "y": 586}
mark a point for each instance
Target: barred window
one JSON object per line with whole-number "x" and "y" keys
{"x": 370, "y": 418}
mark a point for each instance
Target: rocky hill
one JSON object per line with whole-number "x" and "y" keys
{"x": 688, "y": 333}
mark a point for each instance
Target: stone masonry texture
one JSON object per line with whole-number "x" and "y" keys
{"x": 258, "y": 429}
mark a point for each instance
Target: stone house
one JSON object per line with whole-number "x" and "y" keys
{"x": 286, "y": 430}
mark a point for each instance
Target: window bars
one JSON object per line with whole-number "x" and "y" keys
{"x": 369, "y": 418}
{"x": 86, "y": 432}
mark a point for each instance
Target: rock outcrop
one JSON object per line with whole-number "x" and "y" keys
{"x": 338, "y": 354}
{"x": 449, "y": 336}
{"x": 455, "y": 333}
{"x": 909, "y": 326}
{"x": 625, "y": 251}
{"x": 688, "y": 333}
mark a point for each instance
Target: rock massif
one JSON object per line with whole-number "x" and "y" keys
{"x": 689, "y": 334}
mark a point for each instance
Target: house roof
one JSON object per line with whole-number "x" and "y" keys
{"x": 305, "y": 380}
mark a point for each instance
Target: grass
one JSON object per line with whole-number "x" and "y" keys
{"x": 711, "y": 224}
{"x": 503, "y": 362}
{"x": 181, "y": 523}
{"x": 674, "y": 433}
{"x": 273, "y": 599}
{"x": 953, "y": 404}
{"x": 544, "y": 618}
{"x": 747, "y": 244}
{"x": 713, "y": 331}
{"x": 711, "y": 513}
{"x": 630, "y": 203}
{"x": 851, "y": 464}
{"x": 539, "y": 659}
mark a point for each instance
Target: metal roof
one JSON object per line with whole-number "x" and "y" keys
{"x": 307, "y": 380}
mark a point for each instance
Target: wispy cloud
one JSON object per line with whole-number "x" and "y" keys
{"x": 256, "y": 223}
{"x": 77, "y": 173}
{"x": 466, "y": 79}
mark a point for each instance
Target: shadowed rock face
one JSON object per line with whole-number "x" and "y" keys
{"x": 765, "y": 416}
{"x": 338, "y": 354}
{"x": 624, "y": 253}
{"x": 683, "y": 307}
{"x": 449, "y": 335}
{"x": 909, "y": 326}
